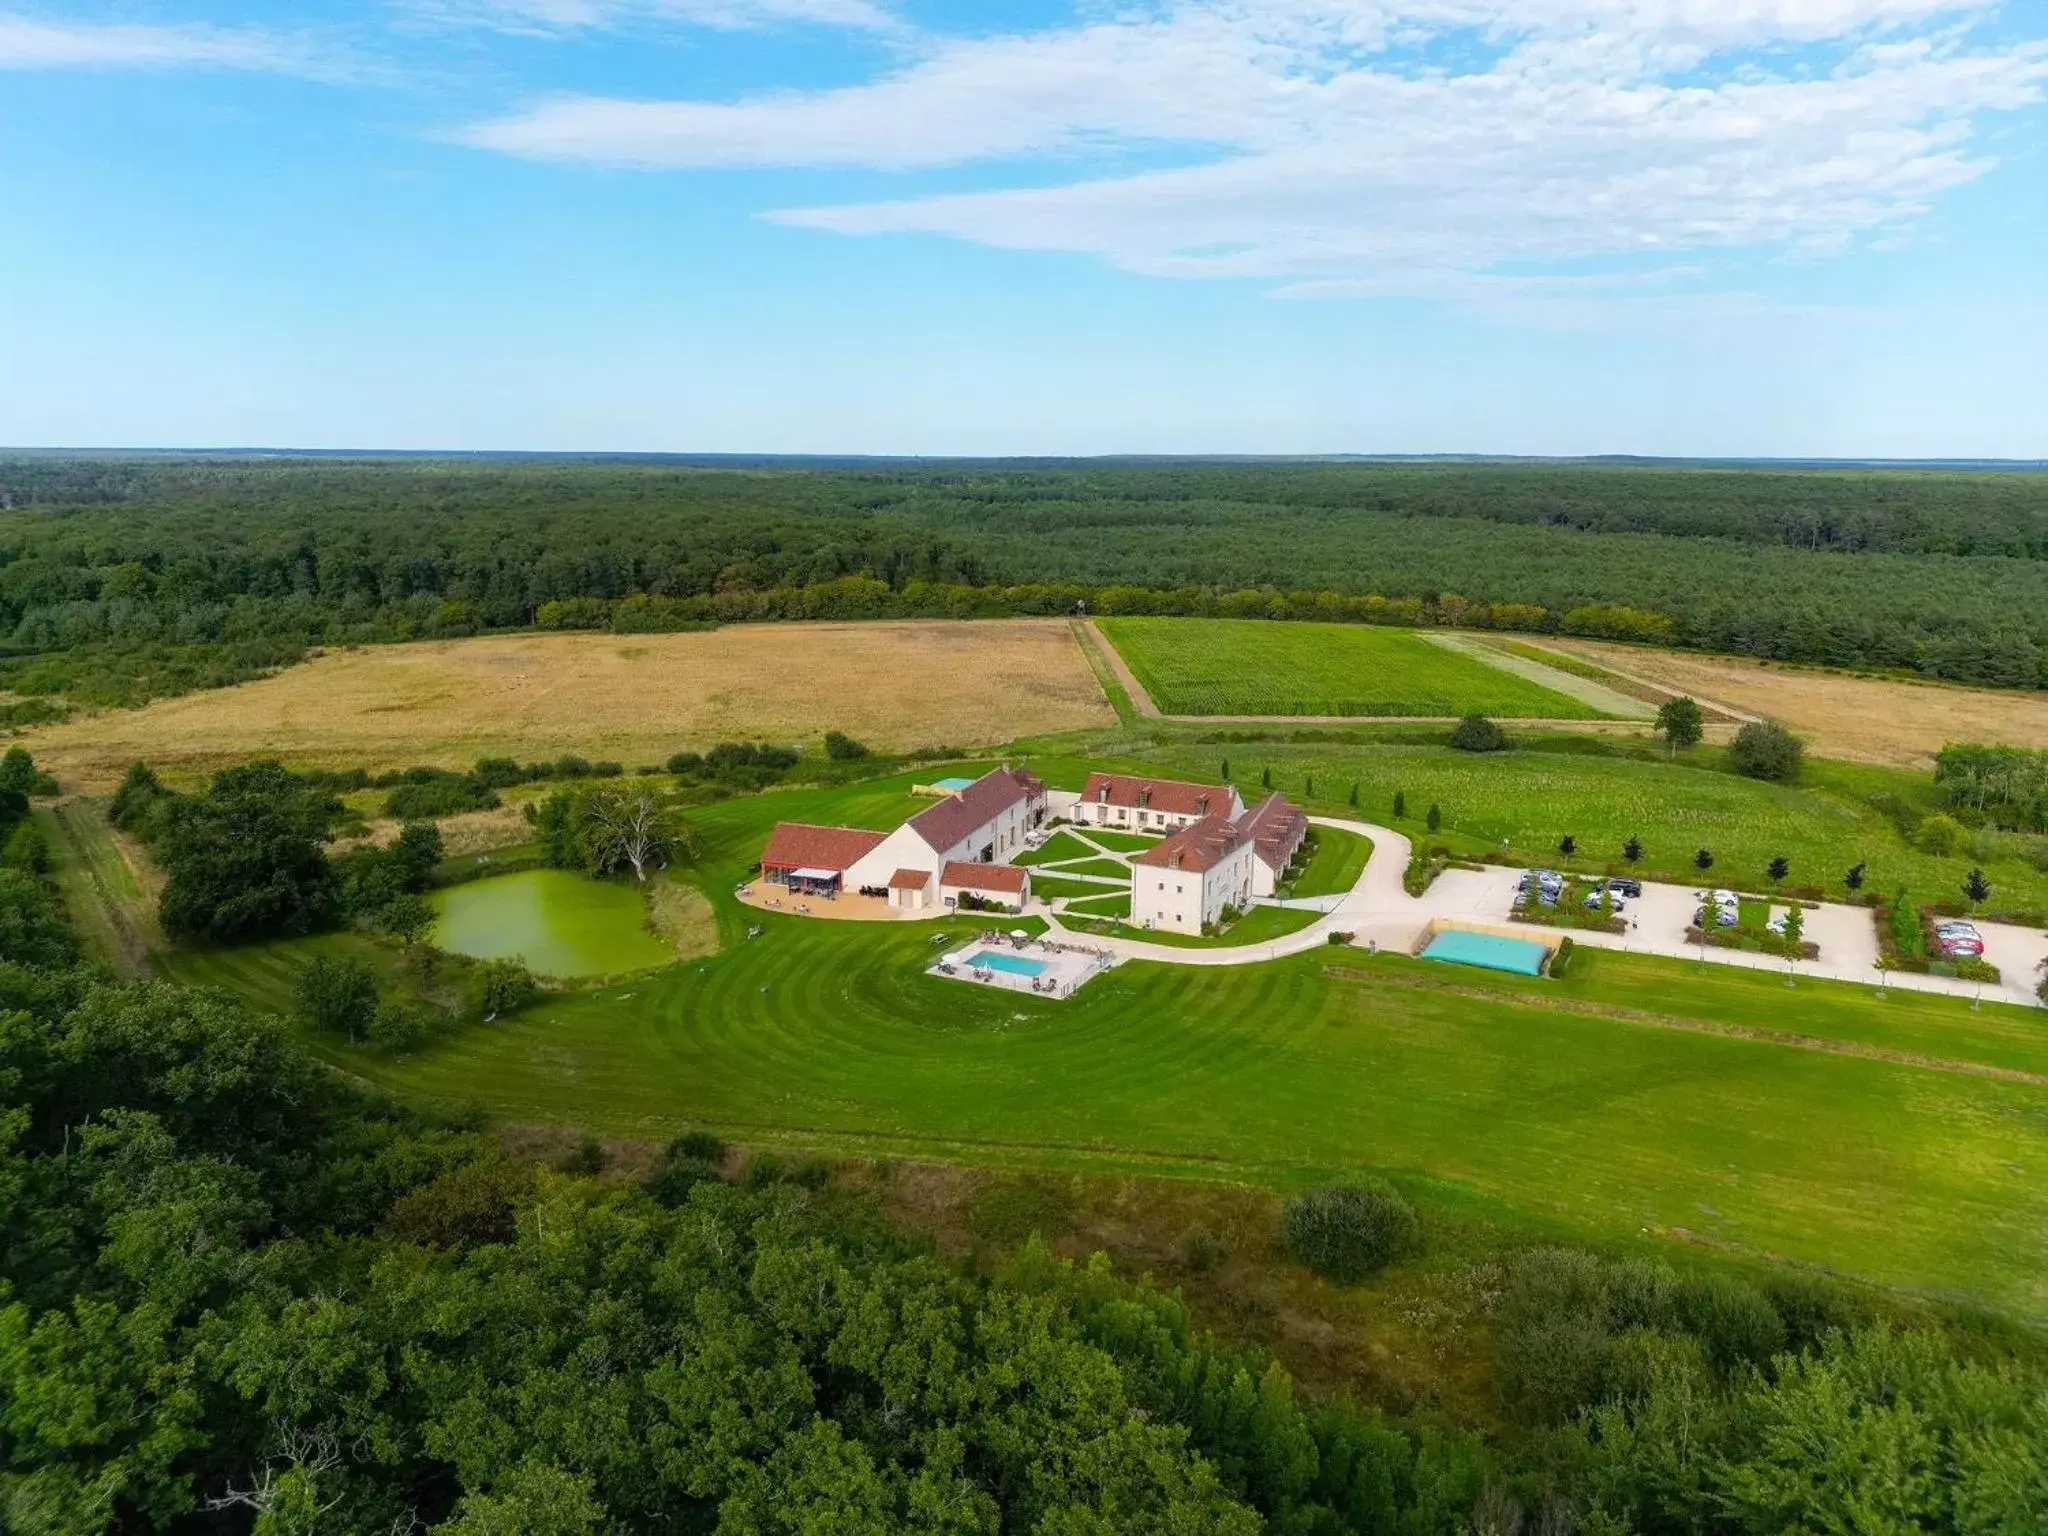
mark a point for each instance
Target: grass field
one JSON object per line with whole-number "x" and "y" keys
{"x": 1637, "y": 1096}
{"x": 1054, "y": 849}
{"x": 1531, "y": 799}
{"x": 1865, "y": 719}
{"x": 1246, "y": 667}
{"x": 1335, "y": 866}
{"x": 634, "y": 698}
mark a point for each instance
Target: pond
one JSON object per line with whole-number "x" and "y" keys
{"x": 560, "y": 924}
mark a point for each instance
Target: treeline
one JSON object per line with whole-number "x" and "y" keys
{"x": 123, "y": 579}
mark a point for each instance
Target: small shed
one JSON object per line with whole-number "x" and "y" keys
{"x": 985, "y": 887}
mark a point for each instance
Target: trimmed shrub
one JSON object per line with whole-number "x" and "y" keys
{"x": 1345, "y": 1232}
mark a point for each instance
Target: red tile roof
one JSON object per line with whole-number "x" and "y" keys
{"x": 1276, "y": 829}
{"x": 910, "y": 879}
{"x": 1170, "y": 795}
{"x": 965, "y": 812}
{"x": 793, "y": 845}
{"x": 986, "y": 877}
{"x": 1201, "y": 845}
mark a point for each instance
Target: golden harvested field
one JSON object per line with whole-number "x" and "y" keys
{"x": 1864, "y": 719}
{"x": 634, "y": 698}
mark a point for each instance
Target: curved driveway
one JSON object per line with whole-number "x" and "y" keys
{"x": 1378, "y": 911}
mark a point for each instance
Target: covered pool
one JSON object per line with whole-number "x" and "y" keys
{"x": 1522, "y": 956}
{"x": 952, "y": 786}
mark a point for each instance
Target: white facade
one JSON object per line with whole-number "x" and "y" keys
{"x": 996, "y": 840}
{"x": 1188, "y": 900}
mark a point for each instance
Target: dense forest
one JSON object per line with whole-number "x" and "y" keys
{"x": 125, "y": 577}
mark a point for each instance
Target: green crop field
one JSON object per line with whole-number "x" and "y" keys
{"x": 1250, "y": 667}
{"x": 1613, "y": 1103}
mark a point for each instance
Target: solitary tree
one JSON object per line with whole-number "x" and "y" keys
{"x": 1226, "y": 770}
{"x": 1679, "y": 720}
{"x": 1266, "y": 778}
{"x": 338, "y": 996}
{"x": 1632, "y": 850}
{"x": 1795, "y": 933}
{"x": 1779, "y": 868}
{"x": 1854, "y": 878}
{"x": 1436, "y": 818}
{"x": 1476, "y": 733}
{"x": 406, "y": 917}
{"x": 1568, "y": 845}
{"x": 1353, "y": 801}
{"x": 1308, "y": 787}
{"x": 1400, "y": 806}
{"x": 1703, "y": 860}
{"x": 1975, "y": 886}
{"x": 1763, "y": 749}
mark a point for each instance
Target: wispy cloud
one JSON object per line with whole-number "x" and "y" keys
{"x": 1381, "y": 144}
{"x": 551, "y": 17}
{"x": 26, "y": 43}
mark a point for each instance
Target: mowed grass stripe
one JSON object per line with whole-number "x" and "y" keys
{"x": 1252, "y": 667}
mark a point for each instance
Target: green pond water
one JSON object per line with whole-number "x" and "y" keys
{"x": 560, "y": 924}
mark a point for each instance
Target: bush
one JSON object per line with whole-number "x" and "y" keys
{"x": 1939, "y": 835}
{"x": 500, "y": 987}
{"x": 1476, "y": 733}
{"x": 445, "y": 794}
{"x": 338, "y": 996}
{"x": 1763, "y": 749}
{"x": 497, "y": 772}
{"x": 1345, "y": 1232}
{"x": 842, "y": 748}
{"x": 682, "y": 764}
{"x": 1561, "y": 958}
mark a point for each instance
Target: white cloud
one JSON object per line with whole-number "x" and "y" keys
{"x": 29, "y": 44}
{"x": 1345, "y": 147}
{"x": 559, "y": 16}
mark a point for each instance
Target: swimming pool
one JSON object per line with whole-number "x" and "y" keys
{"x": 1490, "y": 951}
{"x": 952, "y": 784}
{"x": 996, "y": 960}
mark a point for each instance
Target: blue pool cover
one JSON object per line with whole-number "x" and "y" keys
{"x": 952, "y": 784}
{"x": 1522, "y": 956}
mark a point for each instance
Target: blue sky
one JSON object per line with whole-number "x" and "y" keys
{"x": 1771, "y": 227}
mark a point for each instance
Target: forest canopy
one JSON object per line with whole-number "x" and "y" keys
{"x": 126, "y": 577}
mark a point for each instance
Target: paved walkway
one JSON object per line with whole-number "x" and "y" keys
{"x": 1379, "y": 911}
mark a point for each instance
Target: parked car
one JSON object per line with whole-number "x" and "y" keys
{"x": 1776, "y": 924}
{"x": 1622, "y": 885}
{"x": 1613, "y": 899}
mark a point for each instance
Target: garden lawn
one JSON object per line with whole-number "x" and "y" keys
{"x": 1334, "y": 868}
{"x": 1261, "y": 925}
{"x": 1251, "y": 667}
{"x": 1121, "y": 842}
{"x": 1102, "y": 906}
{"x": 1109, "y": 869}
{"x": 1049, "y": 886}
{"x": 1059, "y": 846}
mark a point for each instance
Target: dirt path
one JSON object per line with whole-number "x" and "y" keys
{"x": 1112, "y": 658}
{"x": 1585, "y": 689}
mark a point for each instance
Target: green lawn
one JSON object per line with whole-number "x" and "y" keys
{"x": 1121, "y": 842}
{"x": 1611, "y": 1104}
{"x": 1248, "y": 667}
{"x": 1261, "y": 925}
{"x": 1049, "y": 886}
{"x": 1102, "y": 906}
{"x": 1060, "y": 845}
{"x": 1109, "y": 869}
{"x": 1339, "y": 859}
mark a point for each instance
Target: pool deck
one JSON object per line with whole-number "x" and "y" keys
{"x": 1067, "y": 966}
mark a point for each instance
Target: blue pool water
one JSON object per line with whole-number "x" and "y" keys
{"x": 996, "y": 960}
{"x": 952, "y": 784}
{"x": 1488, "y": 950}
